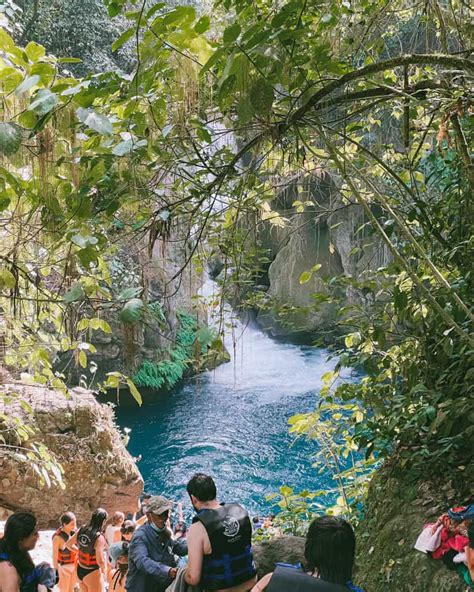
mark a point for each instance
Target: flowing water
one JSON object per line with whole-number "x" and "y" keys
{"x": 232, "y": 424}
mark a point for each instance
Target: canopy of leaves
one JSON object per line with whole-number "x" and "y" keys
{"x": 215, "y": 117}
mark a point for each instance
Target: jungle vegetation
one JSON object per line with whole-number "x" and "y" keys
{"x": 214, "y": 110}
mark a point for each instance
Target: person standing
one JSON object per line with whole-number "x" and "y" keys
{"x": 64, "y": 559}
{"x": 112, "y": 530}
{"x": 152, "y": 564}
{"x": 90, "y": 543}
{"x": 219, "y": 541}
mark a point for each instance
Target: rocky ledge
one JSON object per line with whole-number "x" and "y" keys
{"x": 82, "y": 436}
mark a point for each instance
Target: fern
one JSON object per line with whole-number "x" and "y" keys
{"x": 167, "y": 373}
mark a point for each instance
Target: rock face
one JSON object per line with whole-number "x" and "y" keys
{"x": 81, "y": 434}
{"x": 330, "y": 233}
{"x": 285, "y": 549}
{"x": 397, "y": 510}
{"x": 147, "y": 266}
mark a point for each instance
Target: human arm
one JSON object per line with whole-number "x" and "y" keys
{"x": 262, "y": 584}
{"x": 139, "y": 554}
{"x": 56, "y": 546}
{"x": 72, "y": 543}
{"x": 100, "y": 553}
{"x": 195, "y": 543}
{"x": 180, "y": 546}
{"x": 470, "y": 561}
{"x": 9, "y": 578}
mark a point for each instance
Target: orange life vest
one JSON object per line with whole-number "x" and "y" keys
{"x": 65, "y": 556}
{"x": 86, "y": 544}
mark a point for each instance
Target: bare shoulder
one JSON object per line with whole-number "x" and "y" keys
{"x": 9, "y": 579}
{"x": 197, "y": 530}
{"x": 197, "y": 534}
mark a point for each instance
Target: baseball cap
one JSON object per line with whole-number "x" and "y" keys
{"x": 158, "y": 504}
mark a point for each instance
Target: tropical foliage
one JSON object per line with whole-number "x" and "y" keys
{"x": 215, "y": 116}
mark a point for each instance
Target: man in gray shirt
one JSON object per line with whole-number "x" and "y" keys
{"x": 151, "y": 560}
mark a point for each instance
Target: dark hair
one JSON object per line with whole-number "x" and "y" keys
{"x": 146, "y": 496}
{"x": 117, "y": 518}
{"x": 255, "y": 519}
{"x": 128, "y": 527}
{"x": 18, "y": 527}
{"x": 122, "y": 565}
{"x": 330, "y": 549}
{"x": 202, "y": 487}
{"x": 67, "y": 518}
{"x": 96, "y": 524}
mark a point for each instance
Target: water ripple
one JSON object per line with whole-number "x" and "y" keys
{"x": 232, "y": 423}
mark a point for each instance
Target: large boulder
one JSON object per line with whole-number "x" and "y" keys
{"x": 399, "y": 504}
{"x": 285, "y": 549}
{"x": 81, "y": 434}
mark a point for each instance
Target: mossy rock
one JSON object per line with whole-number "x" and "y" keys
{"x": 399, "y": 504}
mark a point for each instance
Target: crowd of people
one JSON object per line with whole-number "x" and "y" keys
{"x": 150, "y": 554}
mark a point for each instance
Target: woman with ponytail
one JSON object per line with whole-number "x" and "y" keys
{"x": 89, "y": 541}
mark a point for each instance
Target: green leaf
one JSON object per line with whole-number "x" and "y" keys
{"x": 27, "y": 84}
{"x": 305, "y": 277}
{"x": 155, "y": 9}
{"x": 6, "y": 42}
{"x": 82, "y": 359}
{"x": 202, "y": 25}
{"x": 134, "y": 391}
{"x": 34, "y": 51}
{"x": 232, "y": 33}
{"x": 10, "y": 138}
{"x": 74, "y": 294}
{"x": 285, "y": 490}
{"x": 212, "y": 60}
{"x": 316, "y": 267}
{"x": 180, "y": 15}
{"x": 7, "y": 279}
{"x": 45, "y": 71}
{"x": 114, "y": 9}
{"x": 124, "y": 37}
{"x": 128, "y": 293}
{"x": 44, "y": 101}
{"x": 95, "y": 121}
{"x": 132, "y": 311}
{"x": 123, "y": 148}
{"x": 204, "y": 135}
{"x": 28, "y": 119}
{"x": 261, "y": 96}
{"x": 226, "y": 91}
{"x": 69, "y": 61}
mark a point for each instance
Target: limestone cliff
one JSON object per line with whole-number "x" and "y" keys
{"x": 78, "y": 432}
{"x": 329, "y": 232}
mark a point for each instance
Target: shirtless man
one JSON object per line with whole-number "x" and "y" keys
{"x": 219, "y": 541}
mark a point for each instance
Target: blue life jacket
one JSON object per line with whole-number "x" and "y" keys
{"x": 230, "y": 534}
